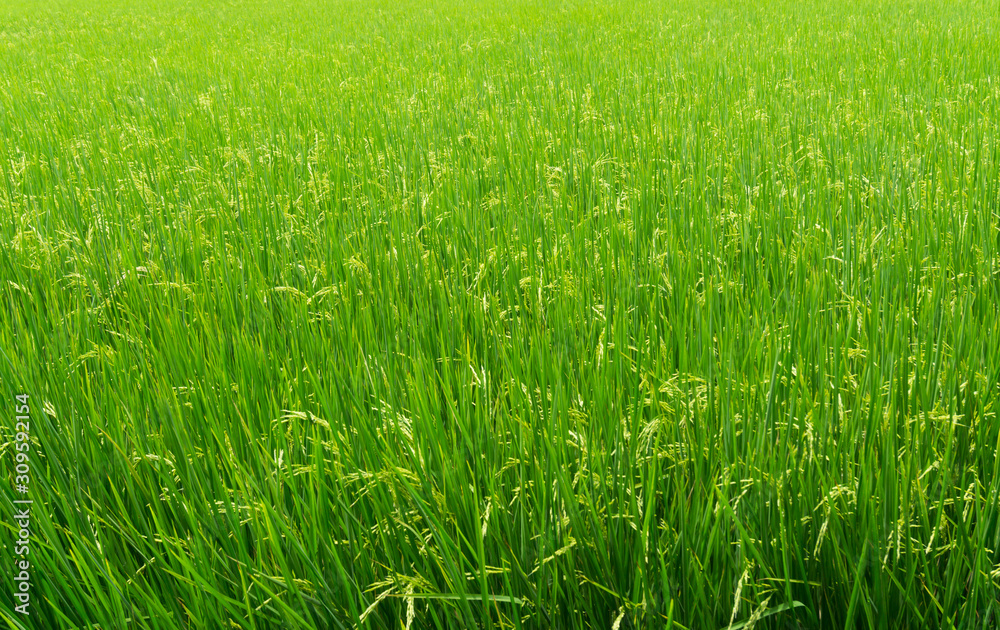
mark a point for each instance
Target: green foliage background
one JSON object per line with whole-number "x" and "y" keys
{"x": 523, "y": 314}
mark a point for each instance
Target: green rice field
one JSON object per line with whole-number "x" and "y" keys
{"x": 532, "y": 314}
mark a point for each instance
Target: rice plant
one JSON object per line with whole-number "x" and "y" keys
{"x": 521, "y": 314}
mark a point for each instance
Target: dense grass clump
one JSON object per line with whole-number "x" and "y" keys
{"x": 519, "y": 314}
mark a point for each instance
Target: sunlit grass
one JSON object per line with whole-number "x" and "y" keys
{"x": 504, "y": 314}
